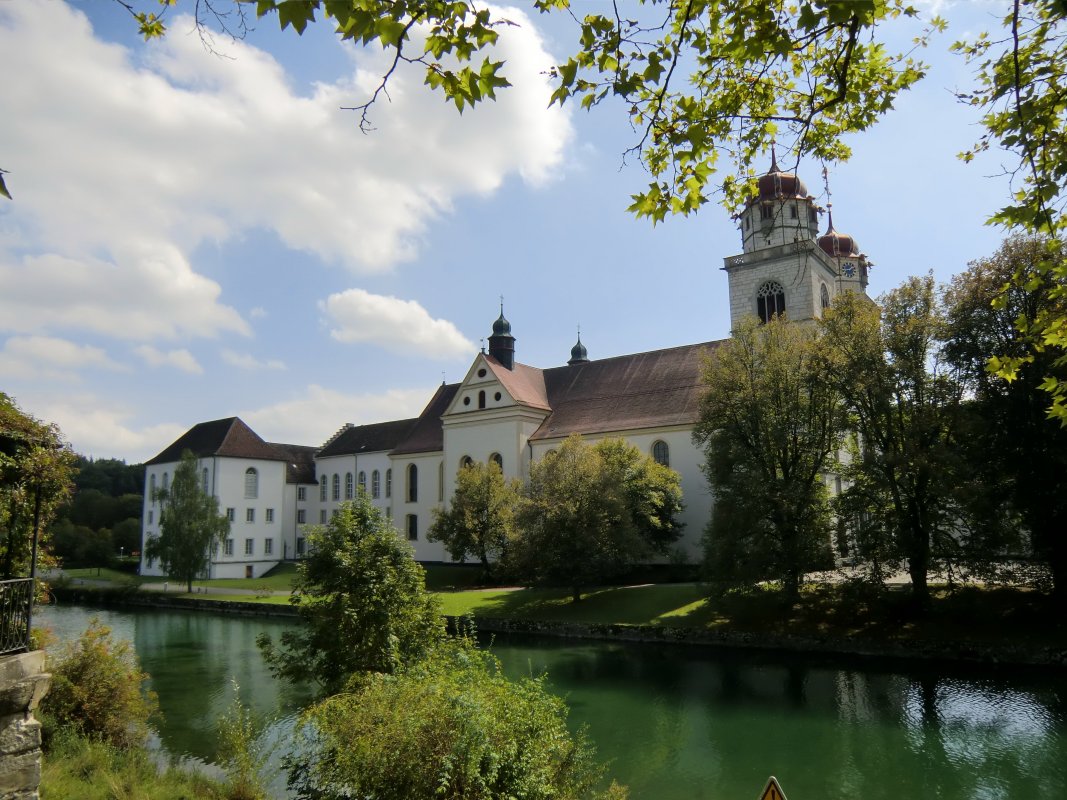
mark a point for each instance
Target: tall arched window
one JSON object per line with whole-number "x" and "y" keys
{"x": 661, "y": 453}
{"x": 166, "y": 481}
{"x": 497, "y": 459}
{"x": 251, "y": 482}
{"x": 204, "y": 481}
{"x": 349, "y": 490}
{"x": 322, "y": 489}
{"x": 466, "y": 461}
{"x": 389, "y": 482}
{"x": 336, "y": 486}
{"x": 441, "y": 482}
{"x": 770, "y": 301}
{"x": 152, "y": 488}
{"x": 825, "y": 297}
{"x": 376, "y": 484}
{"x": 362, "y": 481}
{"x": 481, "y": 399}
{"x": 413, "y": 483}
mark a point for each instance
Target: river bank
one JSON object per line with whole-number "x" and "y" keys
{"x": 896, "y": 640}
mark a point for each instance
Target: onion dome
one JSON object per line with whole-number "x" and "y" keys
{"x": 579, "y": 355}
{"x": 501, "y": 327}
{"x": 837, "y": 244}
{"x": 779, "y": 185}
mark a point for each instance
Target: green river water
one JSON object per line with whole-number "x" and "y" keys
{"x": 680, "y": 722}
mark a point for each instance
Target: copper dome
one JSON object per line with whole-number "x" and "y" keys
{"x": 837, "y": 244}
{"x": 778, "y": 185}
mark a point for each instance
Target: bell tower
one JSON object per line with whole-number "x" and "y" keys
{"x": 783, "y": 270}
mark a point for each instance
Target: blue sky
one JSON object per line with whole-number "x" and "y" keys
{"x": 194, "y": 237}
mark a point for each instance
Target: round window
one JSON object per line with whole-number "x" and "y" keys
{"x": 496, "y": 396}
{"x": 481, "y": 373}
{"x": 466, "y": 401}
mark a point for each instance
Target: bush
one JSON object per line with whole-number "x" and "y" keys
{"x": 451, "y": 726}
{"x": 97, "y": 691}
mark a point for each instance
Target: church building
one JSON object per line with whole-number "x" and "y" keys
{"x": 513, "y": 413}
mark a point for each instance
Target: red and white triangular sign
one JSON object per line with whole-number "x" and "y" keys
{"x": 772, "y": 791}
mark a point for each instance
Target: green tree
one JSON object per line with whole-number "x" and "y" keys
{"x": 98, "y": 690}
{"x": 449, "y": 726}
{"x": 190, "y": 525}
{"x": 770, "y": 425}
{"x": 887, "y": 364}
{"x": 590, "y": 512}
{"x": 1021, "y": 79}
{"x": 480, "y": 520}
{"x": 36, "y": 468}
{"x": 1019, "y": 452}
{"x": 362, "y": 602}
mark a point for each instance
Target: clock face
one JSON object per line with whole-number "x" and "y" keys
{"x": 849, "y": 269}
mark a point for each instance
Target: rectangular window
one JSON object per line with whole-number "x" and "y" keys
{"x": 250, "y": 546}
{"x": 388, "y": 512}
{"x": 228, "y": 547}
{"x": 322, "y": 517}
{"x": 268, "y": 547}
{"x": 270, "y": 515}
{"x": 301, "y": 493}
{"x": 150, "y": 515}
{"x": 231, "y": 514}
{"x": 300, "y": 545}
{"x": 301, "y": 516}
{"x": 413, "y": 527}
{"x": 250, "y": 515}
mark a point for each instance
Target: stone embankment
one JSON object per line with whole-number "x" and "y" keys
{"x": 1007, "y": 654}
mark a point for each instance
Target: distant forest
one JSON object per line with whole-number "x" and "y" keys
{"x": 101, "y": 523}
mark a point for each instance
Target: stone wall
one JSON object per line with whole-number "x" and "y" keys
{"x": 23, "y": 682}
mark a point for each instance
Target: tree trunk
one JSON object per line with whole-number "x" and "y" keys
{"x": 189, "y": 586}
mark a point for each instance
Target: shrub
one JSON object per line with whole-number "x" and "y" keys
{"x": 97, "y": 691}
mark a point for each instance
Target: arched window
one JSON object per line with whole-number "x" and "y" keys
{"x": 497, "y": 459}
{"x": 441, "y": 482}
{"x": 661, "y": 453}
{"x": 413, "y": 483}
{"x": 389, "y": 483}
{"x": 825, "y": 297}
{"x": 204, "y": 481}
{"x": 770, "y": 301}
{"x": 349, "y": 491}
{"x": 466, "y": 461}
{"x": 152, "y": 488}
{"x": 413, "y": 526}
{"x": 481, "y": 399}
{"x": 251, "y": 482}
{"x": 362, "y": 481}
{"x": 322, "y": 489}
{"x": 336, "y": 486}
{"x": 166, "y": 481}
{"x": 376, "y": 484}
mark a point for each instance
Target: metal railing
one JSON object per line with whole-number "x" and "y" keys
{"x": 16, "y": 607}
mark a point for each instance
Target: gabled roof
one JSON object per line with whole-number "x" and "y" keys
{"x": 368, "y": 438}
{"x": 300, "y": 462}
{"x": 427, "y": 436}
{"x": 526, "y": 385}
{"x": 228, "y": 437}
{"x": 642, "y": 390}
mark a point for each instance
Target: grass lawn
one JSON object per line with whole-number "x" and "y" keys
{"x": 104, "y": 574}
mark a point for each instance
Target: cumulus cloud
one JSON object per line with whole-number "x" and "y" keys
{"x": 49, "y": 358}
{"x": 314, "y": 416}
{"x": 401, "y": 326}
{"x": 249, "y": 362}
{"x": 180, "y": 359}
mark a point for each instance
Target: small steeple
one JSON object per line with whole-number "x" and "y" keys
{"x": 578, "y": 352}
{"x": 502, "y": 343}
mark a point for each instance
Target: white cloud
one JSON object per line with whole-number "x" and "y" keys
{"x": 315, "y": 416}
{"x": 181, "y": 359}
{"x": 250, "y": 362}
{"x": 400, "y": 326}
{"x": 46, "y": 357}
{"x": 257, "y": 313}
{"x": 94, "y": 426}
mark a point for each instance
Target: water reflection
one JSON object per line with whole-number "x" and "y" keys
{"x": 685, "y": 723}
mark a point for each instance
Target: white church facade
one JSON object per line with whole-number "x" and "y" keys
{"x": 510, "y": 412}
